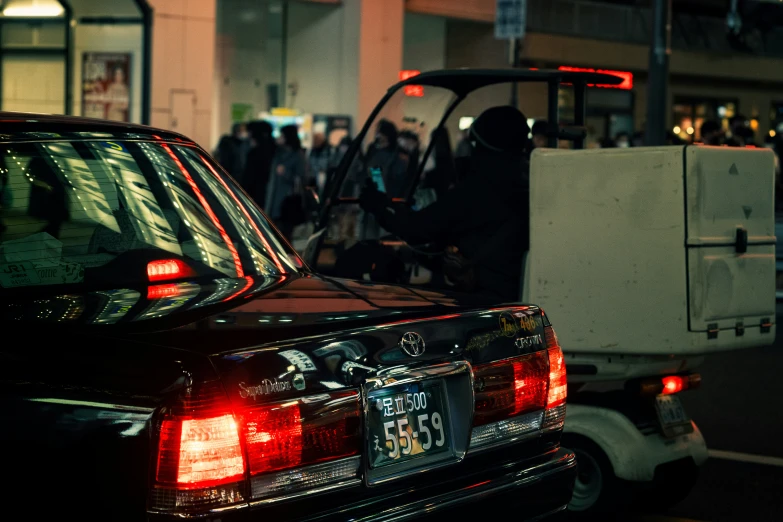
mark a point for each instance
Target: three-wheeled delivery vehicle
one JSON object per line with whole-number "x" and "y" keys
{"x": 653, "y": 257}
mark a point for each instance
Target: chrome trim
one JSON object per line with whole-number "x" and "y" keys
{"x": 269, "y": 484}
{"x": 530, "y": 434}
{"x": 548, "y": 514}
{"x": 204, "y": 514}
{"x": 337, "y": 486}
{"x": 457, "y": 374}
{"x": 562, "y": 461}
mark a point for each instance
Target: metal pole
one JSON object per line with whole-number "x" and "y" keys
{"x": 146, "y": 75}
{"x": 513, "y": 59}
{"x": 580, "y": 112}
{"x": 553, "y": 113}
{"x": 660, "y": 49}
{"x": 70, "y": 22}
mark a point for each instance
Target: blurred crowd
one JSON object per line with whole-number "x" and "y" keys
{"x": 274, "y": 171}
{"x": 274, "y": 168}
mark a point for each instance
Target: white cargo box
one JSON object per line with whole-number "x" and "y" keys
{"x": 654, "y": 250}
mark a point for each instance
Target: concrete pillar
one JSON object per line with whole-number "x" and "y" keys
{"x": 380, "y": 49}
{"x": 183, "y": 64}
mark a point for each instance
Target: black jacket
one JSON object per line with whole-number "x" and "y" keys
{"x": 486, "y": 216}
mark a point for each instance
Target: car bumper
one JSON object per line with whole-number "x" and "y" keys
{"x": 534, "y": 493}
{"x": 534, "y": 488}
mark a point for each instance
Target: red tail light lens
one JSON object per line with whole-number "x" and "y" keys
{"x": 673, "y": 384}
{"x": 200, "y": 452}
{"x": 558, "y": 383}
{"x": 296, "y": 433}
{"x": 669, "y": 384}
{"x": 199, "y": 462}
{"x": 510, "y": 387}
{"x": 168, "y": 269}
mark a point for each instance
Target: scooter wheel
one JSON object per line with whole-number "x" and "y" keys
{"x": 597, "y": 490}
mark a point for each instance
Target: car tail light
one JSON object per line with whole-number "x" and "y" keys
{"x": 520, "y": 395}
{"x": 211, "y": 456}
{"x": 558, "y": 383}
{"x": 669, "y": 384}
{"x": 510, "y": 387}
{"x": 168, "y": 269}
{"x": 303, "y": 444}
{"x": 199, "y": 463}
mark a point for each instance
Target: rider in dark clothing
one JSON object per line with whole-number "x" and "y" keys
{"x": 485, "y": 217}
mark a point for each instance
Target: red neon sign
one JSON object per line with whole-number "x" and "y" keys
{"x": 627, "y": 77}
{"x": 417, "y": 91}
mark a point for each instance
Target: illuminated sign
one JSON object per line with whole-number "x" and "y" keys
{"x": 417, "y": 91}
{"x": 627, "y": 77}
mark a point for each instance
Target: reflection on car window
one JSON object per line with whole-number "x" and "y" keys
{"x": 69, "y": 207}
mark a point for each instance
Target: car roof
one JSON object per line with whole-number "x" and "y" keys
{"x": 16, "y": 126}
{"x": 463, "y": 81}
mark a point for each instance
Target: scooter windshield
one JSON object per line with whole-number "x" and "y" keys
{"x": 396, "y": 140}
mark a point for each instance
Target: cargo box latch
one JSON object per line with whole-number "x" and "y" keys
{"x": 766, "y": 325}
{"x": 740, "y": 329}
{"x": 741, "y": 241}
{"x": 712, "y": 331}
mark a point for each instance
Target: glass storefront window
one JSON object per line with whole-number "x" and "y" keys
{"x": 250, "y": 58}
{"x": 690, "y": 114}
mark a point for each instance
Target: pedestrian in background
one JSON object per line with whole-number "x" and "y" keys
{"x": 232, "y": 151}
{"x": 286, "y": 180}
{"x": 318, "y": 162}
{"x": 539, "y": 129}
{"x": 711, "y": 132}
{"x": 259, "y": 161}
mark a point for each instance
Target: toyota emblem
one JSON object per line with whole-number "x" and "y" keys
{"x": 412, "y": 344}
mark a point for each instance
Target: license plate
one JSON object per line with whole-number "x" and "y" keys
{"x": 406, "y": 424}
{"x": 672, "y": 416}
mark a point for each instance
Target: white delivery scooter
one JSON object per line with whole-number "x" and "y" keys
{"x": 650, "y": 258}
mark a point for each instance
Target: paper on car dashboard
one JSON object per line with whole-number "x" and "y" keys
{"x": 36, "y": 260}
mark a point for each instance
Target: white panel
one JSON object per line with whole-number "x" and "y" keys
{"x": 727, "y": 288}
{"x": 607, "y": 255}
{"x": 34, "y": 84}
{"x": 730, "y": 187}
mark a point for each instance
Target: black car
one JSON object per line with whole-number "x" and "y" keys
{"x": 166, "y": 354}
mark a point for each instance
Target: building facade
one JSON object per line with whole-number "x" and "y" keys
{"x": 197, "y": 66}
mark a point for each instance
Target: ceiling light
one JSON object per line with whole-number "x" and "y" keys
{"x": 34, "y": 10}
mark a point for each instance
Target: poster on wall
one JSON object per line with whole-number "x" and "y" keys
{"x": 106, "y": 86}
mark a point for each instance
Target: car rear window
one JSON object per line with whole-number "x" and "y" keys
{"x": 69, "y": 209}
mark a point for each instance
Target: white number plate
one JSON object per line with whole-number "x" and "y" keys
{"x": 406, "y": 424}
{"x": 672, "y": 416}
